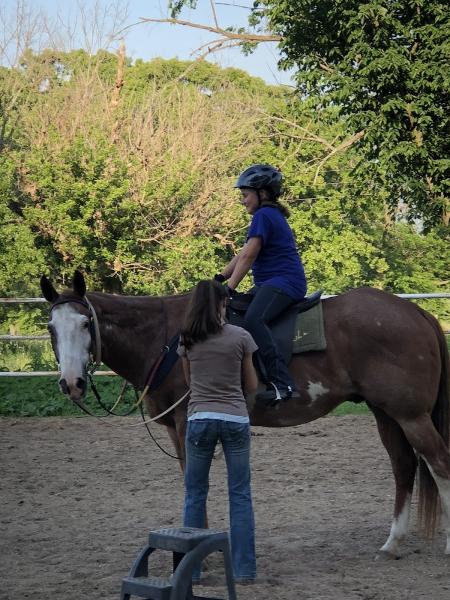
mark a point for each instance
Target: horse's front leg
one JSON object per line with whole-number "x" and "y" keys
{"x": 178, "y": 444}
{"x": 404, "y": 465}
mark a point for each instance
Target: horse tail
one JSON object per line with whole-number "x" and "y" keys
{"x": 429, "y": 508}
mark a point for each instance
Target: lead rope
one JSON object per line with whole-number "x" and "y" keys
{"x": 140, "y": 399}
{"x": 153, "y": 437}
{"x": 132, "y": 425}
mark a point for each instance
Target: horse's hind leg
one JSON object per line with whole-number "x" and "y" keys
{"x": 404, "y": 464}
{"x": 424, "y": 437}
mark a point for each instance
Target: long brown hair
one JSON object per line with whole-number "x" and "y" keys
{"x": 202, "y": 317}
{"x": 273, "y": 201}
{"x": 275, "y": 204}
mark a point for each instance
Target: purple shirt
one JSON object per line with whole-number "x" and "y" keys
{"x": 278, "y": 263}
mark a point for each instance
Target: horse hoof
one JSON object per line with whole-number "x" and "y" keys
{"x": 386, "y": 555}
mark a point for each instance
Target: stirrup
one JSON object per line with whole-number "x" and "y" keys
{"x": 271, "y": 397}
{"x": 277, "y": 391}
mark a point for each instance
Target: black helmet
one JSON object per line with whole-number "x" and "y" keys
{"x": 259, "y": 177}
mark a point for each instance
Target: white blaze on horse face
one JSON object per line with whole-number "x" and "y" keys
{"x": 399, "y": 529}
{"x": 73, "y": 340}
{"x": 316, "y": 389}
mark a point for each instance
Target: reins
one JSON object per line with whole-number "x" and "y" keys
{"x": 97, "y": 355}
{"x": 140, "y": 398}
{"x": 104, "y": 418}
{"x": 110, "y": 411}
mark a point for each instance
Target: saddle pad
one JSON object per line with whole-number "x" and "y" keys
{"x": 309, "y": 332}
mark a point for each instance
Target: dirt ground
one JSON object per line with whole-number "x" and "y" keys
{"x": 78, "y": 498}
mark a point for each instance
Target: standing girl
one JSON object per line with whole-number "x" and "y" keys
{"x": 217, "y": 362}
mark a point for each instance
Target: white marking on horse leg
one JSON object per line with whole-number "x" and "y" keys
{"x": 316, "y": 389}
{"x": 399, "y": 529}
{"x": 444, "y": 492}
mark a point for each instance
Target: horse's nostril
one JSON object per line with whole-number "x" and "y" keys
{"x": 63, "y": 386}
{"x": 81, "y": 384}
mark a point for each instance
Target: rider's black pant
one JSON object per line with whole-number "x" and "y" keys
{"x": 267, "y": 304}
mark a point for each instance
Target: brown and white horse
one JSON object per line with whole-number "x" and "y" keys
{"x": 381, "y": 349}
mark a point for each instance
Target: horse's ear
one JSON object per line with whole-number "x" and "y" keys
{"x": 78, "y": 284}
{"x": 49, "y": 292}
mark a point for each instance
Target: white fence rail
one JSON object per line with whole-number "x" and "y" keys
{"x": 46, "y": 373}
{"x": 13, "y": 338}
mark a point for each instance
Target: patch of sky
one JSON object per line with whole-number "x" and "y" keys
{"x": 90, "y": 25}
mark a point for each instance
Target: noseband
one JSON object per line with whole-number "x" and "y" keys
{"x": 95, "y": 351}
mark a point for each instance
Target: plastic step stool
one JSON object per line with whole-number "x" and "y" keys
{"x": 189, "y": 546}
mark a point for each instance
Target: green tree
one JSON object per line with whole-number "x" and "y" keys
{"x": 385, "y": 64}
{"x": 139, "y": 193}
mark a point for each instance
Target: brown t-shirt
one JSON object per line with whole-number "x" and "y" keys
{"x": 216, "y": 371}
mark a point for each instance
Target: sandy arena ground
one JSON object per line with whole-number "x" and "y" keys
{"x": 78, "y": 499}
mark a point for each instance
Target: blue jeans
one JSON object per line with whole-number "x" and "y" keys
{"x": 202, "y": 436}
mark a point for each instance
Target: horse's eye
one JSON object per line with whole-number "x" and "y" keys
{"x": 86, "y": 324}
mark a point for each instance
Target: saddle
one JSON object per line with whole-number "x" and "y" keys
{"x": 292, "y": 333}
{"x": 298, "y": 329}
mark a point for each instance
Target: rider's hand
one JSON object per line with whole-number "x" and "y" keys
{"x": 219, "y": 277}
{"x": 229, "y": 291}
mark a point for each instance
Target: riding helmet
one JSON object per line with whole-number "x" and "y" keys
{"x": 258, "y": 177}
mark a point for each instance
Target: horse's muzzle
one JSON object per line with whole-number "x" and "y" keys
{"x": 75, "y": 392}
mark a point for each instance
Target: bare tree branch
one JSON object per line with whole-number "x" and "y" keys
{"x": 235, "y": 5}
{"x": 311, "y": 136}
{"x": 244, "y": 36}
{"x": 213, "y": 8}
{"x": 217, "y": 45}
{"x": 343, "y": 146}
{"x": 115, "y": 97}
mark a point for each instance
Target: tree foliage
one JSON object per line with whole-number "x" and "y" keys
{"x": 138, "y": 192}
{"x": 384, "y": 63}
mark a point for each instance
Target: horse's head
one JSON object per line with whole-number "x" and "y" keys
{"x": 71, "y": 334}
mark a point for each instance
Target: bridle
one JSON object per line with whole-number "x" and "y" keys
{"x": 95, "y": 358}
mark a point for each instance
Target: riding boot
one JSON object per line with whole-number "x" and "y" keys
{"x": 274, "y": 394}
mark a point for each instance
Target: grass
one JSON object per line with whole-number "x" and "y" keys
{"x": 350, "y": 408}
{"x": 40, "y": 397}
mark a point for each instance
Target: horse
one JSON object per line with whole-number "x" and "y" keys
{"x": 381, "y": 349}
